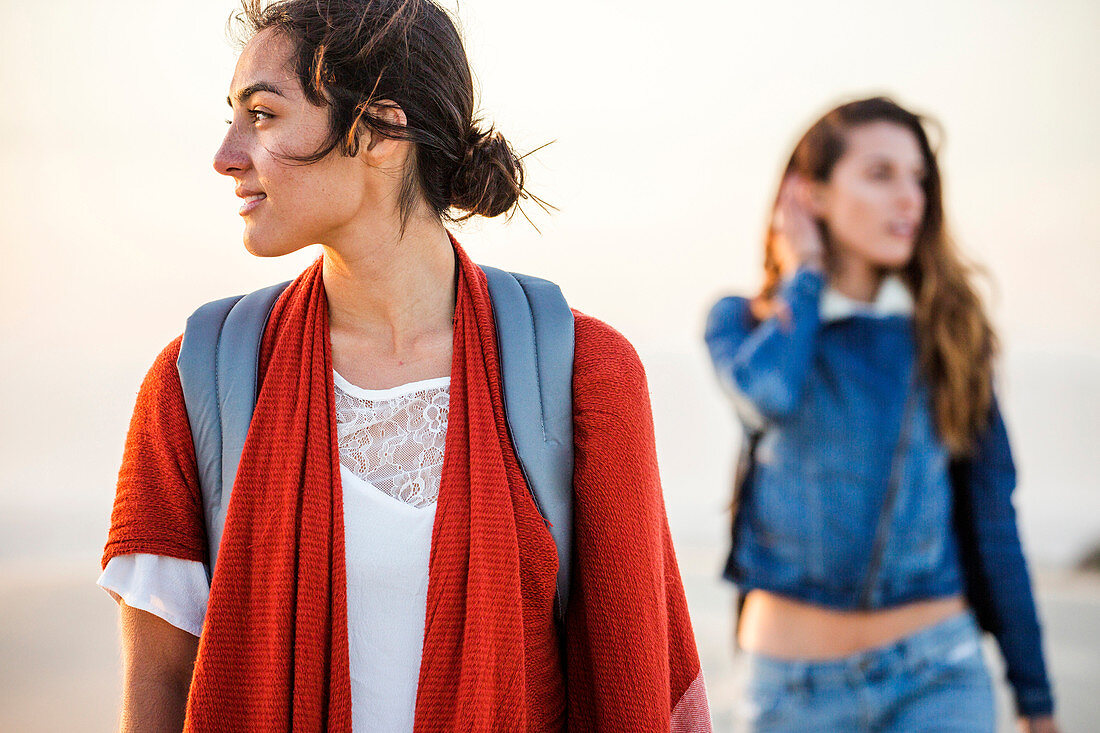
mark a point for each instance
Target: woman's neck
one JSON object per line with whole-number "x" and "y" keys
{"x": 856, "y": 280}
{"x": 391, "y": 287}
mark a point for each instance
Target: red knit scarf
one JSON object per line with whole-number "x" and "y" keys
{"x": 273, "y": 654}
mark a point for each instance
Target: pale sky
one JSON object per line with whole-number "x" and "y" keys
{"x": 671, "y": 122}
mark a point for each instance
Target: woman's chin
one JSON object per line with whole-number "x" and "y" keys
{"x": 263, "y": 246}
{"x": 892, "y": 257}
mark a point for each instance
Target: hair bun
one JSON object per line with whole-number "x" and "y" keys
{"x": 489, "y": 180}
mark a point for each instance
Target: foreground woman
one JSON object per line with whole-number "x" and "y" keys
{"x": 383, "y": 564}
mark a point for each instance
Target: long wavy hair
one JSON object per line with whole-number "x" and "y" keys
{"x": 956, "y": 343}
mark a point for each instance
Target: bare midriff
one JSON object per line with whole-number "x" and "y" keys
{"x": 784, "y": 628}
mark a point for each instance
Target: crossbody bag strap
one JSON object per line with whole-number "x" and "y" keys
{"x": 742, "y": 478}
{"x": 742, "y": 475}
{"x": 893, "y": 485}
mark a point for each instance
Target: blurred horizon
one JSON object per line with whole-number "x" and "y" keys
{"x": 669, "y": 130}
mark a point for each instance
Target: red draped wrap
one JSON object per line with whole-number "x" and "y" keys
{"x": 273, "y": 655}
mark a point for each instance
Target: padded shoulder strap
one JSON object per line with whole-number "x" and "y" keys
{"x": 535, "y": 334}
{"x": 218, "y": 366}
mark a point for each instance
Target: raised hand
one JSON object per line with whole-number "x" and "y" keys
{"x": 798, "y": 241}
{"x": 1044, "y": 724}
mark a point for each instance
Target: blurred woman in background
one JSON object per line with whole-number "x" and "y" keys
{"x": 873, "y": 528}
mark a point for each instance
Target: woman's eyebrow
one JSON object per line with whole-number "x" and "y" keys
{"x": 260, "y": 86}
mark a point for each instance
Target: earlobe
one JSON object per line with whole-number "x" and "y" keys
{"x": 380, "y": 146}
{"x": 373, "y": 139}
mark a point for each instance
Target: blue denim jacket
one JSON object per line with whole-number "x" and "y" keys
{"x": 830, "y": 396}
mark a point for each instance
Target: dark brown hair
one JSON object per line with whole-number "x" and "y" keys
{"x": 353, "y": 54}
{"x": 955, "y": 341}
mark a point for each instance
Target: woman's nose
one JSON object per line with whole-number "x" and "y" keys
{"x": 231, "y": 157}
{"x": 911, "y": 195}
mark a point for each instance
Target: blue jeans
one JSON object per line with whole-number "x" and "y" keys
{"x": 932, "y": 680}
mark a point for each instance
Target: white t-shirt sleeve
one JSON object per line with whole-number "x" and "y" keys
{"x": 173, "y": 589}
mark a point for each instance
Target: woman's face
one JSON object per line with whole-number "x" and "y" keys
{"x": 287, "y": 205}
{"x": 873, "y": 203}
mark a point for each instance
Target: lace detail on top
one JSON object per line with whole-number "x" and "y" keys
{"x": 394, "y": 438}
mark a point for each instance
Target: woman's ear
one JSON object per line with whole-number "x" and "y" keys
{"x": 814, "y": 197}
{"x": 381, "y": 149}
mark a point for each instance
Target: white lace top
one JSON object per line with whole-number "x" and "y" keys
{"x": 394, "y": 441}
{"x": 391, "y": 459}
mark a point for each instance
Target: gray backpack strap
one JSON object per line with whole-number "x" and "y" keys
{"x": 219, "y": 360}
{"x": 218, "y": 365}
{"x": 535, "y": 339}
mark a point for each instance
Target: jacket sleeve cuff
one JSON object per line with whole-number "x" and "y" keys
{"x": 1034, "y": 702}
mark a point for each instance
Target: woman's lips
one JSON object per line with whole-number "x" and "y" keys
{"x": 251, "y": 202}
{"x": 904, "y": 230}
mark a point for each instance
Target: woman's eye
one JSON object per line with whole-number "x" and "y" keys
{"x": 256, "y": 115}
